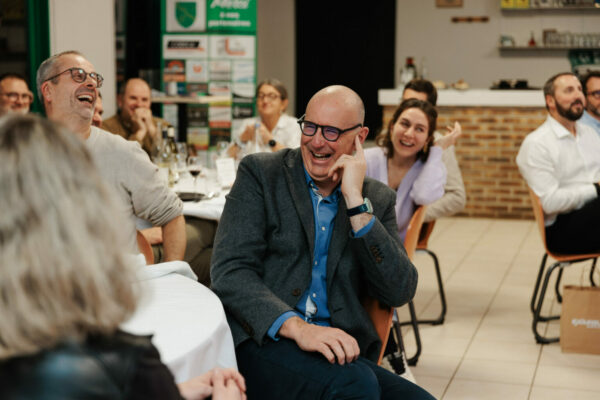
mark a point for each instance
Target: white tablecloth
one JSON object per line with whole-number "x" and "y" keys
{"x": 187, "y": 320}
{"x": 207, "y": 209}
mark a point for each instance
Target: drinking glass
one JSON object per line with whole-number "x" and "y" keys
{"x": 181, "y": 157}
{"x": 194, "y": 167}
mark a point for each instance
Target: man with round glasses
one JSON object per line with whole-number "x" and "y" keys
{"x": 68, "y": 87}
{"x": 591, "y": 89}
{"x": 303, "y": 238}
{"x": 15, "y": 95}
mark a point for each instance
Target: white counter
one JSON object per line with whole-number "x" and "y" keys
{"x": 473, "y": 98}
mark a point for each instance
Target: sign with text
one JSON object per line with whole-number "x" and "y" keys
{"x": 231, "y": 16}
{"x": 185, "y": 46}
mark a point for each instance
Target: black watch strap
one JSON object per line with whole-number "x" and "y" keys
{"x": 365, "y": 207}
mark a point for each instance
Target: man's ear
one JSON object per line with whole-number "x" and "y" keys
{"x": 363, "y": 133}
{"x": 120, "y": 100}
{"x": 46, "y": 90}
{"x": 550, "y": 101}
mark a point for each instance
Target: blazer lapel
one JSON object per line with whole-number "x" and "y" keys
{"x": 339, "y": 239}
{"x": 296, "y": 181}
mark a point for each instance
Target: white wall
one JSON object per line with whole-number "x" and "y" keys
{"x": 470, "y": 50}
{"x": 452, "y": 51}
{"x": 276, "y": 47}
{"x": 88, "y": 26}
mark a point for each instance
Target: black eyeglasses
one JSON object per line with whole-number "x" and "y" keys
{"x": 595, "y": 94}
{"x": 330, "y": 133}
{"x": 79, "y": 75}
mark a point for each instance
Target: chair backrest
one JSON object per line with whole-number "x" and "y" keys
{"x": 413, "y": 230}
{"x": 145, "y": 248}
{"x": 538, "y": 212}
{"x": 381, "y": 315}
{"x": 426, "y": 230}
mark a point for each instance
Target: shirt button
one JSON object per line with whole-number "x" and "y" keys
{"x": 322, "y": 228}
{"x": 316, "y": 263}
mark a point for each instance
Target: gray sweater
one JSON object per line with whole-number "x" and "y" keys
{"x": 140, "y": 192}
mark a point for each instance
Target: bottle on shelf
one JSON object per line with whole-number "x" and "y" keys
{"x": 531, "y": 42}
{"x": 408, "y": 71}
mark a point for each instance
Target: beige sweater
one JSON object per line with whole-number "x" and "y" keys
{"x": 454, "y": 198}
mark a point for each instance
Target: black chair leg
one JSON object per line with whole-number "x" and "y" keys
{"x": 557, "y": 286}
{"x": 592, "y": 282}
{"x": 440, "y": 319}
{"x": 412, "y": 361}
{"x": 536, "y": 314}
{"x": 537, "y": 283}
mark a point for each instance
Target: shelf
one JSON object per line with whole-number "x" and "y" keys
{"x": 551, "y": 9}
{"x": 192, "y": 100}
{"x": 544, "y": 49}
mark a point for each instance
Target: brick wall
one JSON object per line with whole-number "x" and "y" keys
{"x": 486, "y": 154}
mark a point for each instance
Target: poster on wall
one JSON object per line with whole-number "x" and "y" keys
{"x": 209, "y": 49}
{"x": 231, "y": 16}
{"x": 185, "y": 46}
{"x": 186, "y": 16}
{"x": 232, "y": 46}
{"x": 196, "y": 71}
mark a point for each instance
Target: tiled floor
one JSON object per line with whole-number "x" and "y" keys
{"x": 485, "y": 349}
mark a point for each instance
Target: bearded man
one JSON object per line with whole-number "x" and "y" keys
{"x": 560, "y": 162}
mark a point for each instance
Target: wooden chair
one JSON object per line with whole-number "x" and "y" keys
{"x": 145, "y": 248}
{"x": 382, "y": 315}
{"x": 410, "y": 245}
{"x": 562, "y": 261}
{"x": 422, "y": 247}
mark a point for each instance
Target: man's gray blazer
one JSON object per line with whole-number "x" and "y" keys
{"x": 262, "y": 257}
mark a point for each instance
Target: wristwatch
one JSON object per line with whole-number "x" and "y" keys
{"x": 272, "y": 142}
{"x": 365, "y": 207}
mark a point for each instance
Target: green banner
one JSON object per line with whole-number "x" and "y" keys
{"x": 231, "y": 16}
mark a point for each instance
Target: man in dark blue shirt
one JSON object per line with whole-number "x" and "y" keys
{"x": 303, "y": 238}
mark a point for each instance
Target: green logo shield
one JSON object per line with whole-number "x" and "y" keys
{"x": 185, "y": 12}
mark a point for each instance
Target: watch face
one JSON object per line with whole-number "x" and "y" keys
{"x": 369, "y": 205}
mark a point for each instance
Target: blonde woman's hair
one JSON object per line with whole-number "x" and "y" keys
{"x": 63, "y": 274}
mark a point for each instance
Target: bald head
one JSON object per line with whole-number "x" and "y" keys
{"x": 341, "y": 97}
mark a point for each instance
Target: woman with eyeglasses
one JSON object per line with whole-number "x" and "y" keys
{"x": 65, "y": 282}
{"x": 272, "y": 129}
{"x": 409, "y": 161}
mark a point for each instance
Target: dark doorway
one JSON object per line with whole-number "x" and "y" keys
{"x": 345, "y": 42}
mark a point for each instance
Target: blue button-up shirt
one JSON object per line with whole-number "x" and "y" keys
{"x": 312, "y": 306}
{"x": 591, "y": 121}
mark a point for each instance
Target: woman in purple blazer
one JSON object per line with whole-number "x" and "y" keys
{"x": 407, "y": 159}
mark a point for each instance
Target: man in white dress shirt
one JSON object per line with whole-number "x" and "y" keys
{"x": 561, "y": 163}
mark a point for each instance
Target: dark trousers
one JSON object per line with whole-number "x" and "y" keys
{"x": 281, "y": 370}
{"x": 576, "y": 232}
{"x": 200, "y": 234}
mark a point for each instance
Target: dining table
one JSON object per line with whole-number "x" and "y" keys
{"x": 185, "y": 318}
{"x": 211, "y": 195}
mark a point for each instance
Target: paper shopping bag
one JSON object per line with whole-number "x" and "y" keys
{"x": 580, "y": 320}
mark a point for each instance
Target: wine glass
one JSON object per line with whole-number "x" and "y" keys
{"x": 194, "y": 168}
